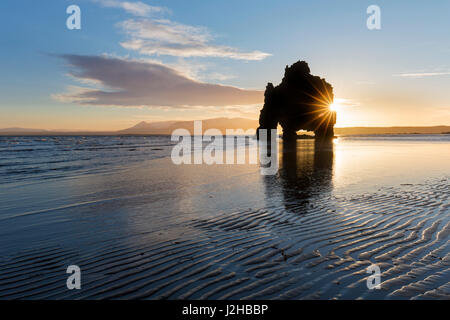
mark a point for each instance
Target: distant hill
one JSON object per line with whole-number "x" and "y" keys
{"x": 222, "y": 124}
{"x": 167, "y": 127}
{"x": 24, "y": 130}
{"x": 391, "y": 130}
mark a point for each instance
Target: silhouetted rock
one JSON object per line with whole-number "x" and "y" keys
{"x": 300, "y": 102}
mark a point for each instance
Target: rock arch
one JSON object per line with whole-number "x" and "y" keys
{"x": 300, "y": 102}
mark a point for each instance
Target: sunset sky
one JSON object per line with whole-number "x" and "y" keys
{"x": 183, "y": 60}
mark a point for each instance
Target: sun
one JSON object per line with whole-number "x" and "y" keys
{"x": 333, "y": 106}
{"x": 337, "y": 105}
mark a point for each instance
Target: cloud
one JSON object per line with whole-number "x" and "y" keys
{"x": 165, "y": 37}
{"x": 200, "y": 70}
{"x": 168, "y": 38}
{"x": 421, "y": 74}
{"x": 135, "y": 8}
{"x": 135, "y": 83}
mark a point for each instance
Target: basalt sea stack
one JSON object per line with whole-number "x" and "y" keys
{"x": 300, "y": 102}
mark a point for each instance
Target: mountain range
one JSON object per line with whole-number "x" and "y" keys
{"x": 167, "y": 127}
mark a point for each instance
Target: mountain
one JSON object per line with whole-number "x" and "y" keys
{"x": 148, "y": 127}
{"x": 24, "y": 130}
{"x": 167, "y": 127}
{"x": 392, "y": 130}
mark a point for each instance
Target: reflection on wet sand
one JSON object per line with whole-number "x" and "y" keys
{"x": 160, "y": 231}
{"x": 306, "y": 170}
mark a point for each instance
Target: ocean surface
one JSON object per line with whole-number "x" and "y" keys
{"x": 142, "y": 227}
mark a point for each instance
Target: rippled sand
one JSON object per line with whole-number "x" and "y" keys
{"x": 226, "y": 232}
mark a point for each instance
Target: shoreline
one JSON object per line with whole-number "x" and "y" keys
{"x": 105, "y": 134}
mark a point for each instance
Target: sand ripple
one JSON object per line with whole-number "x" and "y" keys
{"x": 265, "y": 253}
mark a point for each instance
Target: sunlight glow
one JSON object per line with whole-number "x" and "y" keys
{"x": 333, "y": 106}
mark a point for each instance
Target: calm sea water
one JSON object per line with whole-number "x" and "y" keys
{"x": 355, "y": 159}
{"x": 37, "y": 158}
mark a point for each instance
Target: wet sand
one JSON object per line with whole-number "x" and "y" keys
{"x": 153, "y": 230}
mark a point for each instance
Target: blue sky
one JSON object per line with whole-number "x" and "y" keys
{"x": 222, "y": 53}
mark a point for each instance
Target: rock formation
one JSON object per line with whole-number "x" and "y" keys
{"x": 300, "y": 102}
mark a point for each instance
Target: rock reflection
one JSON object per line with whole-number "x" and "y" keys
{"x": 306, "y": 171}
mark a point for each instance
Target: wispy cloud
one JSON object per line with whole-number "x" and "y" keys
{"x": 421, "y": 74}
{"x": 136, "y": 8}
{"x": 165, "y": 37}
{"x": 168, "y": 38}
{"x": 133, "y": 83}
{"x": 199, "y": 70}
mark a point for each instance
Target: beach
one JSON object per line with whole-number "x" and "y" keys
{"x": 141, "y": 227}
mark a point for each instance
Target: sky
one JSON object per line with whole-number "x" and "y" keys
{"x": 135, "y": 61}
